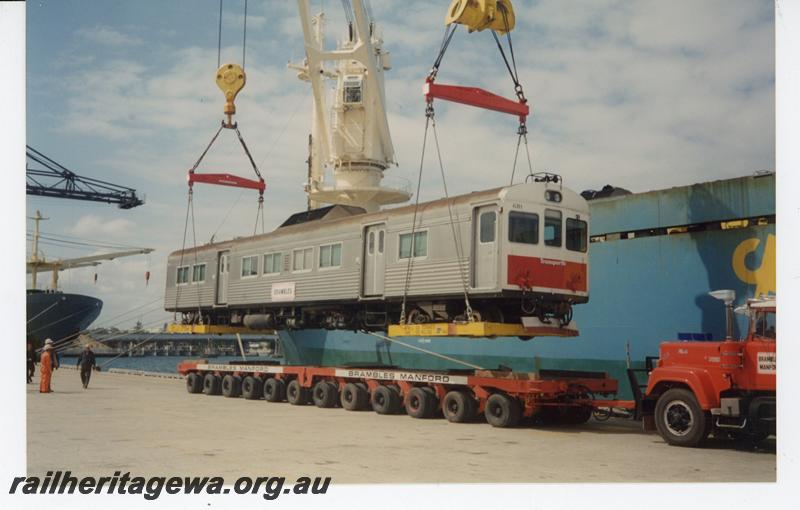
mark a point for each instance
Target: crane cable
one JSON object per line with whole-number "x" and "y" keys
{"x": 522, "y": 131}
{"x": 430, "y": 121}
{"x": 448, "y": 36}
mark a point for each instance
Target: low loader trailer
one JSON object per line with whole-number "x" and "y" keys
{"x": 693, "y": 388}
{"x": 503, "y": 397}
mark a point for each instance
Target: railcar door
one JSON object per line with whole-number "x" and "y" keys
{"x": 223, "y": 266}
{"x": 374, "y": 260}
{"x": 484, "y": 247}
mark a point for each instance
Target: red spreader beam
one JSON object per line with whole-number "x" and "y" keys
{"x": 475, "y": 97}
{"x": 227, "y": 180}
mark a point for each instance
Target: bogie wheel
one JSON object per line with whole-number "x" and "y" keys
{"x": 502, "y": 411}
{"x": 421, "y": 403}
{"x": 274, "y": 390}
{"x": 459, "y": 407}
{"x": 212, "y": 384}
{"x": 325, "y": 394}
{"x": 296, "y": 394}
{"x": 252, "y": 388}
{"x": 385, "y": 400}
{"x": 194, "y": 383}
{"x": 679, "y": 418}
{"x": 354, "y": 397}
{"x": 231, "y": 386}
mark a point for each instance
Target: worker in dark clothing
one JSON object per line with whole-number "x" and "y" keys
{"x": 30, "y": 356}
{"x": 86, "y": 363}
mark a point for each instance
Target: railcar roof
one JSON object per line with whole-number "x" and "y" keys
{"x": 325, "y": 216}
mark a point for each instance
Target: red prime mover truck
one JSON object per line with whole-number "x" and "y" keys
{"x": 727, "y": 387}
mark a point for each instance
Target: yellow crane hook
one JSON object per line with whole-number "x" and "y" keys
{"x": 230, "y": 80}
{"x": 477, "y": 15}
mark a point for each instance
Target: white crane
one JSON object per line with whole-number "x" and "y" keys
{"x": 352, "y": 136}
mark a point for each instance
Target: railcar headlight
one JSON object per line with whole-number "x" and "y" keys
{"x": 552, "y": 196}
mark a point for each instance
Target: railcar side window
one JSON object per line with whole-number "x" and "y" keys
{"x": 249, "y": 266}
{"x": 420, "y": 245}
{"x": 371, "y": 243}
{"x": 330, "y": 255}
{"x": 381, "y": 235}
{"x": 302, "y": 259}
{"x": 523, "y": 228}
{"x": 552, "y": 227}
{"x": 183, "y": 275}
{"x": 272, "y": 263}
{"x": 488, "y": 220}
{"x": 199, "y": 273}
{"x": 577, "y": 231}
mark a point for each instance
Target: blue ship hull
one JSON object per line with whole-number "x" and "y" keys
{"x": 653, "y": 260}
{"x": 59, "y": 316}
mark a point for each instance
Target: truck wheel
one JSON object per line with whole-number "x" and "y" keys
{"x": 325, "y": 394}
{"x": 679, "y": 418}
{"x": 194, "y": 383}
{"x": 231, "y": 386}
{"x": 385, "y": 400}
{"x": 211, "y": 384}
{"x": 421, "y": 403}
{"x": 252, "y": 388}
{"x": 502, "y": 411}
{"x": 274, "y": 390}
{"x": 578, "y": 415}
{"x": 354, "y": 397}
{"x": 296, "y": 394}
{"x": 458, "y": 407}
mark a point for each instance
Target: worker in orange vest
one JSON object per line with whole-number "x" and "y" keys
{"x": 46, "y": 367}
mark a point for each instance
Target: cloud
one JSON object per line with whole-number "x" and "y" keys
{"x": 92, "y": 225}
{"x": 107, "y": 36}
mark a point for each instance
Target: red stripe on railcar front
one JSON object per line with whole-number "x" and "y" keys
{"x": 542, "y": 272}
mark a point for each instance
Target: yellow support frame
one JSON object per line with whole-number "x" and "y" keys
{"x": 478, "y": 329}
{"x": 208, "y": 329}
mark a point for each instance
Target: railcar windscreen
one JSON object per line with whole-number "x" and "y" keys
{"x": 577, "y": 231}
{"x": 552, "y": 227}
{"x": 523, "y": 228}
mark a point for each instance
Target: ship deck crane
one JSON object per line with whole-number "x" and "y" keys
{"x": 55, "y": 180}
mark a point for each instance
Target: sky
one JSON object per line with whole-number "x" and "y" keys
{"x": 643, "y": 95}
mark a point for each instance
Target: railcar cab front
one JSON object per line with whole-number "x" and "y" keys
{"x": 544, "y": 247}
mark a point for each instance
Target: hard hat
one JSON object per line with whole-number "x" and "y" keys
{"x": 48, "y": 342}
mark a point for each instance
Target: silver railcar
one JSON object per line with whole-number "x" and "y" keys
{"x": 516, "y": 250}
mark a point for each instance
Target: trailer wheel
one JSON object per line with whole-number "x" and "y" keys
{"x": 421, "y": 403}
{"x": 502, "y": 411}
{"x": 296, "y": 394}
{"x": 325, "y": 394}
{"x": 252, "y": 388}
{"x": 274, "y": 390}
{"x": 231, "y": 386}
{"x": 458, "y": 407}
{"x": 354, "y": 397}
{"x": 194, "y": 383}
{"x": 385, "y": 400}
{"x": 212, "y": 384}
{"x": 578, "y": 415}
{"x": 679, "y": 418}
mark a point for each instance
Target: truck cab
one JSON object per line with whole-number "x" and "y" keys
{"x": 725, "y": 387}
